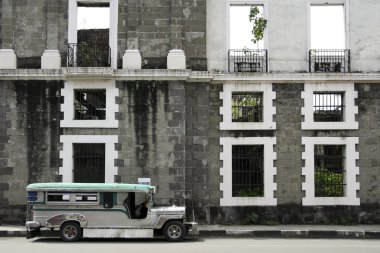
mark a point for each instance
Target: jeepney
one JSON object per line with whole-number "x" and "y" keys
{"x": 103, "y": 210}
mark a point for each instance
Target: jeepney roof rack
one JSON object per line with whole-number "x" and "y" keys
{"x": 90, "y": 187}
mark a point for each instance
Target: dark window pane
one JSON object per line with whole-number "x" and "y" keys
{"x": 328, "y": 106}
{"x": 247, "y": 170}
{"x": 329, "y": 170}
{"x": 90, "y": 104}
{"x": 247, "y": 107}
{"x": 89, "y": 163}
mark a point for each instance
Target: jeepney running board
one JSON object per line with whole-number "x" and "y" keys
{"x": 117, "y": 233}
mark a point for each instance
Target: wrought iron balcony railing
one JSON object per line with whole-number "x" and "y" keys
{"x": 84, "y": 55}
{"x": 329, "y": 60}
{"x": 247, "y": 60}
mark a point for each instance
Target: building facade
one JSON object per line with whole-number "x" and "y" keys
{"x": 282, "y": 134}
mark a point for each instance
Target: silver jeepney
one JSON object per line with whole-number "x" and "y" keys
{"x": 94, "y": 210}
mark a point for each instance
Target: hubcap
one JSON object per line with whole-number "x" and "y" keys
{"x": 174, "y": 231}
{"x": 70, "y": 231}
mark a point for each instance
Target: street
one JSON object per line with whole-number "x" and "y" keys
{"x": 210, "y": 245}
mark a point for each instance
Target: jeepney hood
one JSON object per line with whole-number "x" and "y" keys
{"x": 169, "y": 210}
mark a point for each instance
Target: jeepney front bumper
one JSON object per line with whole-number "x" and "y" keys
{"x": 32, "y": 229}
{"x": 192, "y": 228}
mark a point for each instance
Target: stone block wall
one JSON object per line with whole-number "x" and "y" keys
{"x": 156, "y": 27}
{"x": 29, "y": 141}
{"x": 30, "y": 27}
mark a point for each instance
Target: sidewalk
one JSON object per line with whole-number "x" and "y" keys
{"x": 285, "y": 231}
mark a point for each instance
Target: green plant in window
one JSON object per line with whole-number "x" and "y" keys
{"x": 259, "y": 24}
{"x": 255, "y": 192}
{"x": 242, "y": 108}
{"x": 328, "y": 183}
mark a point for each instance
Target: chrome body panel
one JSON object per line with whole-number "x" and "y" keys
{"x": 57, "y": 220}
{"x": 117, "y": 233}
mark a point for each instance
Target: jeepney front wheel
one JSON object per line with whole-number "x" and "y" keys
{"x": 70, "y": 231}
{"x": 174, "y": 231}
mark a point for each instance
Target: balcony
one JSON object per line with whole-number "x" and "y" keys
{"x": 84, "y": 55}
{"x": 247, "y": 60}
{"x": 329, "y": 60}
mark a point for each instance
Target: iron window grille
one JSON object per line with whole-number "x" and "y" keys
{"x": 329, "y": 173}
{"x": 89, "y": 162}
{"x": 248, "y": 170}
{"x": 85, "y": 55}
{"x": 247, "y": 60}
{"x": 328, "y": 106}
{"x": 247, "y": 107}
{"x": 90, "y": 104}
{"x": 329, "y": 60}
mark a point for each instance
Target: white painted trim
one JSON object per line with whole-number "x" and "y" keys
{"x": 67, "y": 169}
{"x": 269, "y": 172}
{"x": 345, "y": 4}
{"x": 350, "y": 109}
{"x": 226, "y": 109}
{"x": 73, "y": 24}
{"x": 352, "y": 171}
{"x": 111, "y": 107}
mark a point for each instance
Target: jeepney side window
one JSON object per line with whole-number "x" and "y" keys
{"x": 108, "y": 198}
{"x": 86, "y": 197}
{"x": 58, "y": 197}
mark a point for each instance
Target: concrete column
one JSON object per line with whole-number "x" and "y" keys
{"x": 132, "y": 59}
{"x": 8, "y": 59}
{"x": 51, "y": 60}
{"x": 176, "y": 59}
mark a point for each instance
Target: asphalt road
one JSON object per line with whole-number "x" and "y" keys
{"x": 209, "y": 245}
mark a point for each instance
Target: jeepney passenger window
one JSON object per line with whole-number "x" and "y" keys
{"x": 86, "y": 198}
{"x": 58, "y": 197}
{"x": 108, "y": 199}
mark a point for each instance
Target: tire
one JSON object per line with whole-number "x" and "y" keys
{"x": 70, "y": 231}
{"x": 174, "y": 231}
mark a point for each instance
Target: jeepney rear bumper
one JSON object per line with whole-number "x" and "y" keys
{"x": 32, "y": 229}
{"x": 192, "y": 228}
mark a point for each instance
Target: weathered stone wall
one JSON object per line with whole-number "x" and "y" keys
{"x": 156, "y": 27}
{"x": 30, "y": 27}
{"x": 29, "y": 141}
{"x": 369, "y": 143}
{"x": 289, "y": 150}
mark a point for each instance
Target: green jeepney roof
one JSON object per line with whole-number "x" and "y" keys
{"x": 86, "y": 187}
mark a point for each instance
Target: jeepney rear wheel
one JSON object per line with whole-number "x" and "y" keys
{"x": 174, "y": 231}
{"x": 70, "y": 231}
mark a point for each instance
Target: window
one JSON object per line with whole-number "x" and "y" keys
{"x": 76, "y": 157}
{"x": 244, "y": 55}
{"x": 328, "y": 106}
{"x": 89, "y": 163}
{"x": 90, "y": 104}
{"x": 92, "y": 41}
{"x": 247, "y": 170}
{"x": 71, "y": 197}
{"x": 328, "y": 38}
{"x": 247, "y": 107}
{"x": 329, "y": 170}
{"x": 244, "y": 107}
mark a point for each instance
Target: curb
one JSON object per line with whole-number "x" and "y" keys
{"x": 16, "y": 233}
{"x": 350, "y": 234}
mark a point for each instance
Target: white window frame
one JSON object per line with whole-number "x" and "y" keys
{"x": 351, "y": 171}
{"x": 68, "y": 106}
{"x": 66, "y": 154}
{"x": 73, "y": 24}
{"x": 349, "y": 110}
{"x": 345, "y": 4}
{"x": 268, "y": 111}
{"x": 269, "y": 172}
